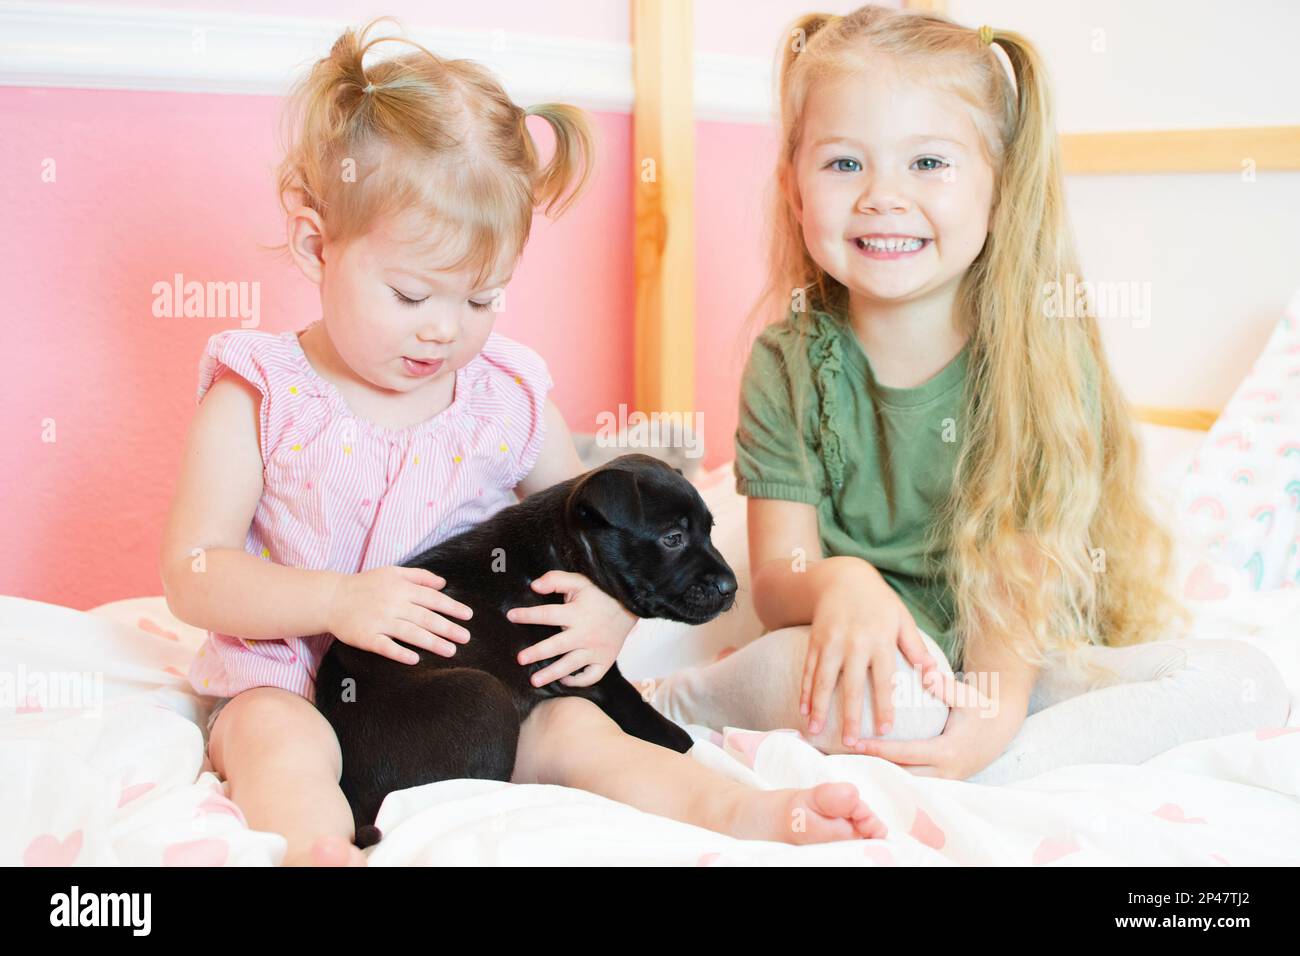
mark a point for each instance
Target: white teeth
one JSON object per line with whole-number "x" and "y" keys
{"x": 891, "y": 245}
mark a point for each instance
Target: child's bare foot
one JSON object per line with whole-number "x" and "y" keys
{"x": 329, "y": 851}
{"x": 826, "y": 812}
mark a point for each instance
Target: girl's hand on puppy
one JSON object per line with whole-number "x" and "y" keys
{"x": 595, "y": 627}
{"x": 377, "y": 608}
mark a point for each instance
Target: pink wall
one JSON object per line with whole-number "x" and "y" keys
{"x": 733, "y": 164}
{"x": 150, "y": 184}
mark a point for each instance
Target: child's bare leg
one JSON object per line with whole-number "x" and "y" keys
{"x": 282, "y": 761}
{"x": 571, "y": 742}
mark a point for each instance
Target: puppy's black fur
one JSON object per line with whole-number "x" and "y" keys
{"x": 635, "y": 527}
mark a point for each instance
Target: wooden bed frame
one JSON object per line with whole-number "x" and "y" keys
{"x": 662, "y": 51}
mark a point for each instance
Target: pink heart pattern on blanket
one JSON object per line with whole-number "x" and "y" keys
{"x": 879, "y": 854}
{"x": 1174, "y": 814}
{"x": 133, "y": 792}
{"x": 209, "y": 852}
{"x": 149, "y": 627}
{"x": 220, "y": 804}
{"x": 1268, "y": 733}
{"x": 49, "y": 850}
{"x": 927, "y": 831}
{"x": 1050, "y": 849}
{"x": 744, "y": 744}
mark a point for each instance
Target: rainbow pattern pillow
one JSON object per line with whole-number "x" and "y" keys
{"x": 1240, "y": 504}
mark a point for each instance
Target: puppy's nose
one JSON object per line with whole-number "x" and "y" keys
{"x": 725, "y": 583}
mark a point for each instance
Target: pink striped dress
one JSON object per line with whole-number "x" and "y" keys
{"x": 342, "y": 493}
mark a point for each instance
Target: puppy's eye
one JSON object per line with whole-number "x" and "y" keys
{"x": 673, "y": 539}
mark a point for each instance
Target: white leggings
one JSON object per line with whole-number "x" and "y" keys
{"x": 1158, "y": 695}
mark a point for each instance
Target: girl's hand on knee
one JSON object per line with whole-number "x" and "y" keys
{"x": 859, "y": 625}
{"x": 977, "y": 733}
{"x": 377, "y": 608}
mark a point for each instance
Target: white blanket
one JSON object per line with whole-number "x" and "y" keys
{"x": 120, "y": 778}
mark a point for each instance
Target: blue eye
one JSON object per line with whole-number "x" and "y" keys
{"x": 404, "y": 300}
{"x": 942, "y": 164}
{"x": 835, "y": 164}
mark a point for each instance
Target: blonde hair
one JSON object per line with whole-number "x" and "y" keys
{"x": 421, "y": 132}
{"x": 1034, "y": 494}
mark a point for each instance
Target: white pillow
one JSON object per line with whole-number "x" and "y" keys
{"x": 1240, "y": 502}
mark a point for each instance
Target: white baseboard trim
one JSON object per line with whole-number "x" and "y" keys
{"x": 135, "y": 48}
{"x": 733, "y": 89}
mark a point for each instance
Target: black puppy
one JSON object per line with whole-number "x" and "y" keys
{"x": 635, "y": 527}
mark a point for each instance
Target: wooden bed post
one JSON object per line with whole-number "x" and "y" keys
{"x": 664, "y": 178}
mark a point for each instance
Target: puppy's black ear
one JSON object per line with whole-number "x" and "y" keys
{"x": 679, "y": 471}
{"x": 607, "y": 496}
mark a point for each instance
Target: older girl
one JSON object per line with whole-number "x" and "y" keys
{"x": 941, "y": 473}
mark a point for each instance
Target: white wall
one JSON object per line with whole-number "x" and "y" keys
{"x": 1222, "y": 255}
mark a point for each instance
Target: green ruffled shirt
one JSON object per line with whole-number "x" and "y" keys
{"x": 859, "y": 438}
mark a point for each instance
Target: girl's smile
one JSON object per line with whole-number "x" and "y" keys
{"x": 890, "y": 247}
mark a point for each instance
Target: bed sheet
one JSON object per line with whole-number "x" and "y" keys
{"x": 122, "y": 780}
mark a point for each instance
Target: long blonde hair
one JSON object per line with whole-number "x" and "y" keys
{"x": 417, "y": 131}
{"x": 1047, "y": 541}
